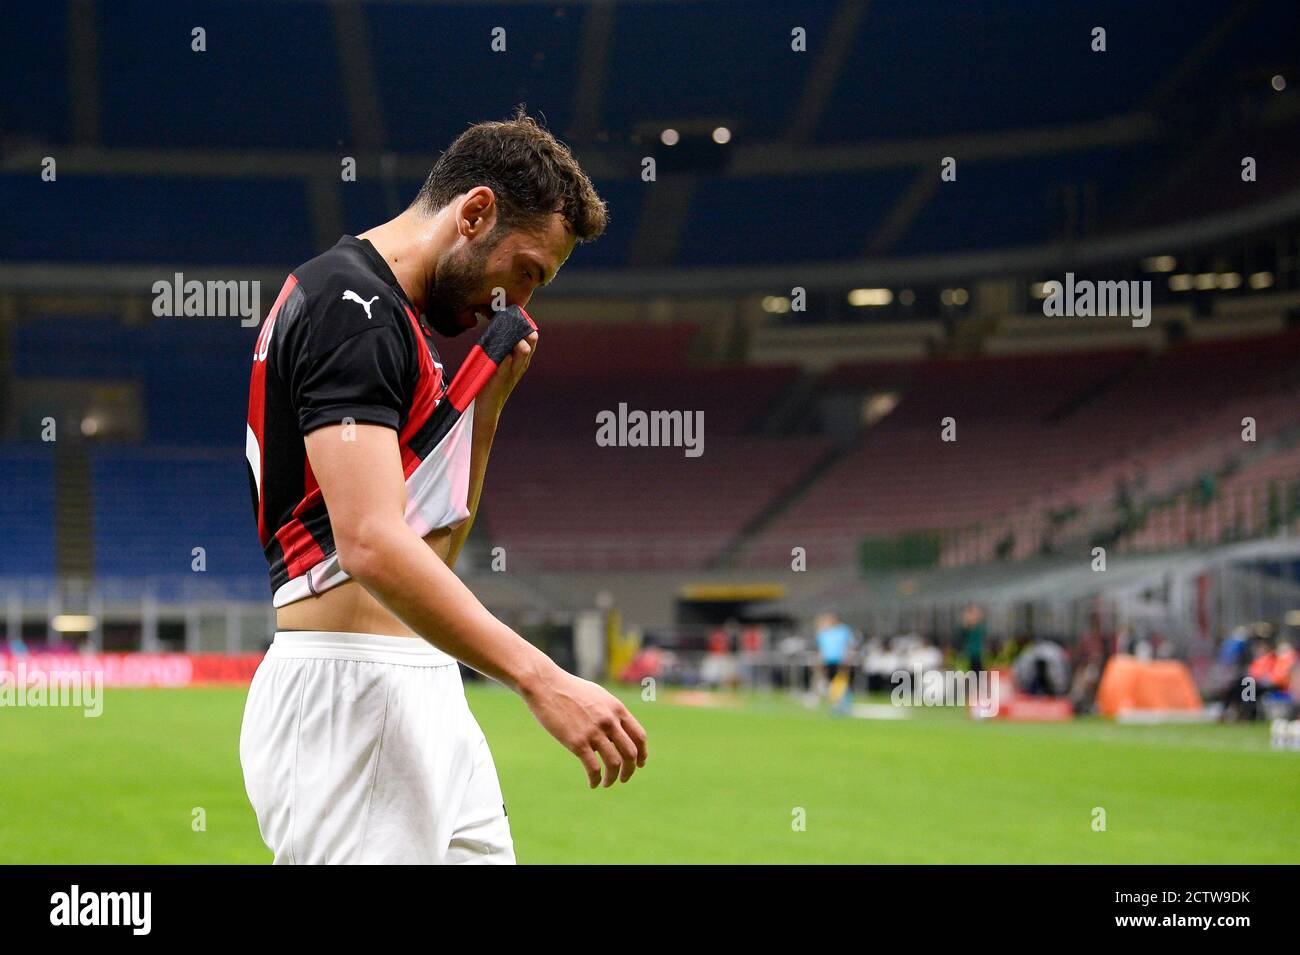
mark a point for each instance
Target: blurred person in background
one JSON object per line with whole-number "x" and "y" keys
{"x": 834, "y": 640}
{"x": 791, "y": 650}
{"x": 1234, "y": 665}
{"x": 1043, "y": 669}
{"x": 1257, "y": 678}
{"x": 719, "y": 666}
{"x": 1294, "y": 685}
{"x": 971, "y": 636}
{"x": 1089, "y": 659}
{"x": 753, "y": 648}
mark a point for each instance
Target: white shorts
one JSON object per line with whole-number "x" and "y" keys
{"x": 360, "y": 748}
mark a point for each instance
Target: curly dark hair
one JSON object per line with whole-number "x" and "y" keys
{"x": 531, "y": 172}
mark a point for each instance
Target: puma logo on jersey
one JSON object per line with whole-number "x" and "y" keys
{"x": 351, "y": 296}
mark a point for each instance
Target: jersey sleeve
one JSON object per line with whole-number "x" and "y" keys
{"x": 354, "y": 367}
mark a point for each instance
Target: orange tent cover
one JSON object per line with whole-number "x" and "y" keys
{"x": 1132, "y": 684}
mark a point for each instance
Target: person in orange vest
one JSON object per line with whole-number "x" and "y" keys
{"x": 1271, "y": 670}
{"x": 1263, "y": 666}
{"x": 1284, "y": 663}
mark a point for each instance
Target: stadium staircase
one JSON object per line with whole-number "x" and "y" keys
{"x": 794, "y": 412}
{"x": 796, "y": 409}
{"x": 1098, "y": 388}
{"x": 727, "y": 557}
{"x": 73, "y": 512}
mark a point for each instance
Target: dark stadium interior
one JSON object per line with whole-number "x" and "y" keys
{"x": 986, "y": 316}
{"x": 1117, "y": 166}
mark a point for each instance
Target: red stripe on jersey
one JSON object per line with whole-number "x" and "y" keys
{"x": 301, "y": 552}
{"x": 474, "y": 373}
{"x": 423, "y": 401}
{"x": 257, "y": 396}
{"x": 312, "y": 499}
{"x": 470, "y": 378}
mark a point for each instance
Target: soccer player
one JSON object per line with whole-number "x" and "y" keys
{"x": 366, "y": 467}
{"x": 834, "y": 640}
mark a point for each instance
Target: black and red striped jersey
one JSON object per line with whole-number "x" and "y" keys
{"x": 342, "y": 344}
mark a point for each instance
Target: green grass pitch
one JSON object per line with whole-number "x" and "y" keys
{"x": 721, "y": 785}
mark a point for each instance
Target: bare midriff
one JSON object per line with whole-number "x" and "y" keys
{"x": 350, "y": 608}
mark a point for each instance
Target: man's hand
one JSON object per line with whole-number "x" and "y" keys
{"x": 361, "y": 477}
{"x": 494, "y": 394}
{"x": 487, "y": 412}
{"x": 590, "y": 723}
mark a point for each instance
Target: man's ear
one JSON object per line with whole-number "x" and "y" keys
{"x": 478, "y": 211}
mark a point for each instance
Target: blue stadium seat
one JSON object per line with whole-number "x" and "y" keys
{"x": 426, "y": 55}
{"x": 38, "y": 69}
{"x": 196, "y": 379}
{"x": 27, "y": 512}
{"x": 730, "y": 64}
{"x": 72, "y": 346}
{"x": 371, "y": 200}
{"x": 156, "y": 221}
{"x": 1017, "y": 201}
{"x": 269, "y": 76}
{"x": 808, "y": 218}
{"x": 942, "y": 68}
{"x": 154, "y": 506}
{"x": 623, "y": 198}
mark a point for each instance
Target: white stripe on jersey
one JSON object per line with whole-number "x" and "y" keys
{"x": 437, "y": 496}
{"x": 254, "y": 455}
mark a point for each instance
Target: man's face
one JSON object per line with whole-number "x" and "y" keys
{"x": 517, "y": 262}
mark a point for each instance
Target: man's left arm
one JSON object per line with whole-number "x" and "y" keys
{"x": 487, "y": 412}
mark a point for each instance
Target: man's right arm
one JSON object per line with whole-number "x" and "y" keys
{"x": 360, "y": 475}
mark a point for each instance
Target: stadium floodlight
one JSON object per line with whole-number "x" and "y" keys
{"x": 722, "y": 135}
{"x": 1261, "y": 280}
{"x": 1180, "y": 283}
{"x": 1159, "y": 263}
{"x": 776, "y": 304}
{"x": 73, "y": 623}
{"x": 1206, "y": 280}
{"x": 878, "y": 406}
{"x": 1229, "y": 280}
{"x": 870, "y": 296}
{"x": 1279, "y": 82}
{"x": 669, "y": 137}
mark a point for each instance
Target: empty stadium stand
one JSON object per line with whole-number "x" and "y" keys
{"x": 154, "y": 506}
{"x": 833, "y": 163}
{"x": 1128, "y": 415}
{"x": 27, "y": 512}
{"x": 292, "y": 77}
{"x": 137, "y": 220}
